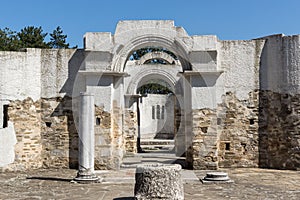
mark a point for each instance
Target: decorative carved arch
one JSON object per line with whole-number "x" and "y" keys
{"x": 157, "y": 55}
{"x": 172, "y": 44}
{"x": 142, "y": 77}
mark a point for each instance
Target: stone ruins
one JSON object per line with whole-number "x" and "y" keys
{"x": 233, "y": 103}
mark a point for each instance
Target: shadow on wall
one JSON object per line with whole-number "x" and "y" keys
{"x": 278, "y": 116}
{"x": 61, "y": 141}
{"x": 67, "y": 134}
{"x": 263, "y": 113}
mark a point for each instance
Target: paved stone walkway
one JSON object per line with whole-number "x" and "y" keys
{"x": 118, "y": 185}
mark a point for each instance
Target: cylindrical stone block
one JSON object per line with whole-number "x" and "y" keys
{"x": 158, "y": 181}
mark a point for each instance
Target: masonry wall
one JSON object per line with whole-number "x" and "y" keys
{"x": 103, "y": 139}
{"x": 252, "y": 120}
{"x": 279, "y": 108}
{"x": 225, "y": 109}
{"x": 237, "y": 114}
{"x": 36, "y": 85}
{"x": 130, "y": 130}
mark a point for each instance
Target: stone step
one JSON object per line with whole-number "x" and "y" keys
{"x": 157, "y": 142}
{"x": 157, "y": 147}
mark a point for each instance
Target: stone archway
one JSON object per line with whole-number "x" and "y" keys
{"x": 108, "y": 72}
{"x": 141, "y": 78}
{"x": 169, "y": 40}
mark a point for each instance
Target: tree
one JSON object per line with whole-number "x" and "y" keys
{"x": 8, "y": 40}
{"x": 136, "y": 55}
{"x": 32, "y": 37}
{"x": 153, "y": 88}
{"x": 58, "y": 39}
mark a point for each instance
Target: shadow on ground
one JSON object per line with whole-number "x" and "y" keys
{"x": 50, "y": 178}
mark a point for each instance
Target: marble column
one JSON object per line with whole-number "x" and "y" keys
{"x": 86, "y": 139}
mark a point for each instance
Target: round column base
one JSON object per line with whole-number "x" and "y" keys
{"x": 87, "y": 176}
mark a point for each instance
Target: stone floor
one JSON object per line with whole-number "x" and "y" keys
{"x": 248, "y": 183}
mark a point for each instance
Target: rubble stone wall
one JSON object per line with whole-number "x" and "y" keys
{"x": 202, "y": 154}
{"x": 26, "y": 117}
{"x": 130, "y": 131}
{"x": 103, "y": 139}
{"x": 47, "y": 136}
{"x": 279, "y": 130}
{"x": 227, "y": 136}
{"x": 237, "y": 124}
{"x": 58, "y": 133}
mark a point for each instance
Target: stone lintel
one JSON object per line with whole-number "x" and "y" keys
{"x": 133, "y": 95}
{"x": 103, "y": 73}
{"x": 201, "y": 73}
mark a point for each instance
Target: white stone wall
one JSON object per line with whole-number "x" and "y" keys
{"x": 280, "y": 64}
{"x": 203, "y": 91}
{"x": 36, "y": 73}
{"x": 291, "y": 64}
{"x": 55, "y": 71}
{"x": 101, "y": 87}
{"x": 20, "y": 74}
{"x": 151, "y": 124}
{"x": 240, "y": 62}
{"x": 7, "y": 143}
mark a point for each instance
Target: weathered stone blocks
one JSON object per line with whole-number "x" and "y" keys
{"x": 279, "y": 130}
{"x": 158, "y": 181}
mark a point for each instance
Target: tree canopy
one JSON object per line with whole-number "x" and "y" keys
{"x": 136, "y": 55}
{"x": 8, "y": 40}
{"x": 58, "y": 40}
{"x": 31, "y": 37}
{"x": 153, "y": 88}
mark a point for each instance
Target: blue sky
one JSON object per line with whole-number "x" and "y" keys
{"x": 228, "y": 19}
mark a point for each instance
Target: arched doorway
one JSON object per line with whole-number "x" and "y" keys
{"x": 110, "y": 74}
{"x": 159, "y": 115}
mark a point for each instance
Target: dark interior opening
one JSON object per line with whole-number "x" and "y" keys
{"x": 5, "y": 116}
{"x": 227, "y": 146}
{"x": 98, "y": 120}
{"x": 48, "y": 124}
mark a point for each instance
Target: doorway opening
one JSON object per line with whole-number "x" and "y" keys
{"x": 157, "y": 89}
{"x": 157, "y": 107}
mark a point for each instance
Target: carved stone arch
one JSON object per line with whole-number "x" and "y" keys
{"x": 143, "y": 76}
{"x": 171, "y": 43}
{"x": 157, "y": 55}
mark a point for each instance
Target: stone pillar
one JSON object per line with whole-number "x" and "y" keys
{"x": 158, "y": 181}
{"x": 86, "y": 139}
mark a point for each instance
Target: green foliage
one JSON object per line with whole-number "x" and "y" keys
{"x": 153, "y": 88}
{"x": 58, "y": 40}
{"x": 31, "y": 37}
{"x": 136, "y": 55}
{"x": 8, "y": 40}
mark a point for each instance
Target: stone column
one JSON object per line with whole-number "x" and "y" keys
{"x": 86, "y": 139}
